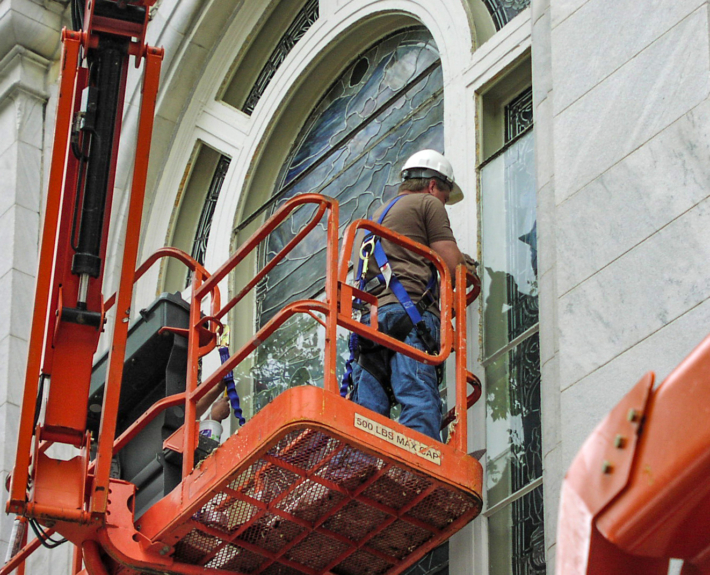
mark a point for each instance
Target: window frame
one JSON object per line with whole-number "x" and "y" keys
{"x": 487, "y": 360}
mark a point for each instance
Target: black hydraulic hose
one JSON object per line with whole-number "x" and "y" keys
{"x": 38, "y": 402}
{"x": 77, "y": 15}
{"x": 81, "y": 173}
{"x": 44, "y": 539}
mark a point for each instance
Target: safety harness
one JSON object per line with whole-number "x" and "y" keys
{"x": 373, "y": 357}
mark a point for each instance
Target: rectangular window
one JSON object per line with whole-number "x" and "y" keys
{"x": 512, "y": 355}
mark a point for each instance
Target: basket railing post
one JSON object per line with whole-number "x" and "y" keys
{"x": 330, "y": 381}
{"x": 193, "y": 348}
{"x": 460, "y": 342}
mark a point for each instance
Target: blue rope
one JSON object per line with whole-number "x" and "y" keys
{"x": 231, "y": 388}
{"x": 346, "y": 382}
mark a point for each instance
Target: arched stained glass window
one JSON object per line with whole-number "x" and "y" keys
{"x": 387, "y": 105}
{"x": 503, "y": 11}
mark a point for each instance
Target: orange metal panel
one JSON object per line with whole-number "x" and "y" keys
{"x": 657, "y": 514}
{"x": 59, "y": 484}
{"x": 637, "y": 493}
{"x": 71, "y": 377}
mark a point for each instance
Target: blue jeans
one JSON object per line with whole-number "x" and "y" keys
{"x": 414, "y": 384}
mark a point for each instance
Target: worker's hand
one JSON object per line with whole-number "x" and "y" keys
{"x": 471, "y": 265}
{"x": 220, "y": 409}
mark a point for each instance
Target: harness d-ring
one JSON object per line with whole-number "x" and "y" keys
{"x": 366, "y": 249}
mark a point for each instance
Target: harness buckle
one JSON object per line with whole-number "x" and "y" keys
{"x": 366, "y": 249}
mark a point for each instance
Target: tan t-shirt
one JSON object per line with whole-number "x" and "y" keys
{"x": 422, "y": 218}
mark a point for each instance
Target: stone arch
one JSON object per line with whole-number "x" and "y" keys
{"x": 183, "y": 120}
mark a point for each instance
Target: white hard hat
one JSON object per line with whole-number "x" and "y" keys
{"x": 431, "y": 164}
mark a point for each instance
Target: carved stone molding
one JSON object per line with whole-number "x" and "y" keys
{"x": 25, "y": 71}
{"x": 35, "y": 26}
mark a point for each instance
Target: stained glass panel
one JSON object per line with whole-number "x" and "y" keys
{"x": 509, "y": 229}
{"x": 513, "y": 418}
{"x": 378, "y": 126}
{"x": 300, "y": 25}
{"x": 435, "y": 562}
{"x": 292, "y": 356}
{"x": 516, "y": 537}
{"x": 361, "y": 93}
{"x": 519, "y": 115}
{"x": 514, "y": 455}
{"x": 503, "y": 11}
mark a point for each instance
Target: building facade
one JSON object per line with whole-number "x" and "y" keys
{"x": 578, "y": 130}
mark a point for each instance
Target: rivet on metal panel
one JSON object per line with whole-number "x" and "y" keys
{"x": 165, "y": 550}
{"x": 607, "y": 467}
{"x": 633, "y": 415}
{"x": 620, "y": 442}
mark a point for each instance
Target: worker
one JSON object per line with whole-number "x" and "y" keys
{"x": 223, "y": 398}
{"x": 380, "y": 377}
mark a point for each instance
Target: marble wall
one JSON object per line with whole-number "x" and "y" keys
{"x": 22, "y": 102}
{"x": 622, "y": 128}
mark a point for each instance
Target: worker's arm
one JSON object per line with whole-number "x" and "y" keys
{"x": 452, "y": 256}
{"x": 450, "y": 253}
{"x": 209, "y": 398}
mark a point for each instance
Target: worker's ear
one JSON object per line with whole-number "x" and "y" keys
{"x": 431, "y": 187}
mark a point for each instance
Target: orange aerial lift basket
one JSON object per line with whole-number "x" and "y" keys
{"x": 313, "y": 483}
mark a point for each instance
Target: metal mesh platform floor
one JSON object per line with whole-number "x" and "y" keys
{"x": 315, "y": 484}
{"x": 314, "y": 504}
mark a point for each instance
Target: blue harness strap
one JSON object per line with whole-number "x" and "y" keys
{"x": 347, "y": 379}
{"x": 231, "y": 388}
{"x": 393, "y": 283}
{"x": 370, "y": 237}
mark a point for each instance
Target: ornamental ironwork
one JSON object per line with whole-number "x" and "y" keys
{"x": 436, "y": 562}
{"x": 300, "y": 25}
{"x": 503, "y": 11}
{"x": 202, "y": 234}
{"x": 528, "y": 536}
{"x": 519, "y": 115}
